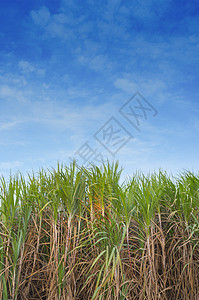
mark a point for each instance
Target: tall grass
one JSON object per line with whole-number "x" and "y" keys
{"x": 76, "y": 233}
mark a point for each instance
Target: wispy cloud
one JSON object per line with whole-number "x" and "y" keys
{"x": 10, "y": 165}
{"x": 27, "y": 67}
{"x": 9, "y": 125}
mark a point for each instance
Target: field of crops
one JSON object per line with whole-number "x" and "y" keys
{"x": 76, "y": 233}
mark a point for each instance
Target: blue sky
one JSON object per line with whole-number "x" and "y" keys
{"x": 68, "y": 67}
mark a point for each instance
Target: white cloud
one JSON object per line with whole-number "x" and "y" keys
{"x": 9, "y": 125}
{"x": 10, "y": 165}
{"x": 133, "y": 83}
{"x": 27, "y": 67}
{"x": 96, "y": 62}
{"x": 100, "y": 63}
{"x": 41, "y": 17}
{"x": 54, "y": 25}
{"x": 149, "y": 9}
{"x": 8, "y": 93}
{"x": 30, "y": 106}
{"x": 126, "y": 85}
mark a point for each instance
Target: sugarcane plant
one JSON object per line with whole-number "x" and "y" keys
{"x": 76, "y": 232}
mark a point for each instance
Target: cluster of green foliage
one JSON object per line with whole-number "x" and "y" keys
{"x": 76, "y": 233}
